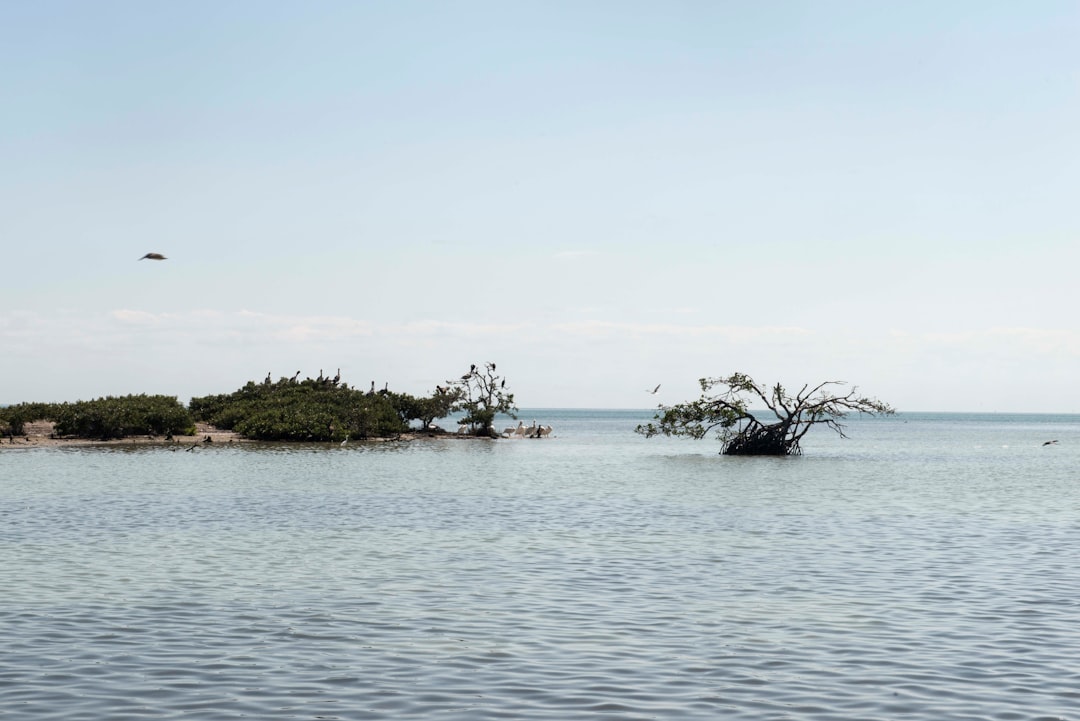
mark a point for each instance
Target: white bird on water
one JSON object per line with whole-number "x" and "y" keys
{"x": 345, "y": 441}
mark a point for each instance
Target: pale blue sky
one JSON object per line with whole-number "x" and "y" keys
{"x": 597, "y": 196}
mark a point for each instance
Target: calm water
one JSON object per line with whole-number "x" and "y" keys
{"x": 926, "y": 568}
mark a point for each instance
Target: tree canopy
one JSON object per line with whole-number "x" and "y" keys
{"x": 482, "y": 394}
{"x": 322, "y": 409}
{"x": 724, "y": 406}
{"x": 104, "y": 418}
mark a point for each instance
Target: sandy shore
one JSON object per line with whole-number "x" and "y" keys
{"x": 40, "y": 434}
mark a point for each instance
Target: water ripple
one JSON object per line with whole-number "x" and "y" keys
{"x": 514, "y": 582}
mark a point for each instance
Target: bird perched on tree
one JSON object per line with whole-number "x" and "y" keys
{"x": 153, "y": 256}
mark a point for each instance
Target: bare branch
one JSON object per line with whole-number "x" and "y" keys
{"x": 741, "y": 433}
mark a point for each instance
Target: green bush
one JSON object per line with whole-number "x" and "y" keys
{"x": 117, "y": 417}
{"x": 13, "y": 419}
{"x": 309, "y": 410}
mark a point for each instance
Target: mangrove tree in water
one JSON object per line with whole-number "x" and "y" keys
{"x": 481, "y": 394}
{"x": 724, "y": 406}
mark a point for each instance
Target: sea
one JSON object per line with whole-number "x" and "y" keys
{"x": 925, "y": 568}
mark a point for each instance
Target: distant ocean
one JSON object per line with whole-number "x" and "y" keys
{"x": 923, "y": 569}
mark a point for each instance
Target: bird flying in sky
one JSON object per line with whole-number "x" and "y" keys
{"x": 153, "y": 256}
{"x": 654, "y": 390}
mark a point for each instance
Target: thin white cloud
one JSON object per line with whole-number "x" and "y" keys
{"x": 575, "y": 254}
{"x": 598, "y": 329}
{"x": 137, "y": 317}
{"x": 1040, "y": 341}
{"x": 445, "y": 328}
{"x": 206, "y": 350}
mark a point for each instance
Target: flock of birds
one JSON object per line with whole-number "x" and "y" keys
{"x": 521, "y": 431}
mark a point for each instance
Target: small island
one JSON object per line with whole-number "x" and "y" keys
{"x": 322, "y": 409}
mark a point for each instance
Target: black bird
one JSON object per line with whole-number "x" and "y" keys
{"x": 153, "y": 256}
{"x": 654, "y": 390}
{"x": 1049, "y": 443}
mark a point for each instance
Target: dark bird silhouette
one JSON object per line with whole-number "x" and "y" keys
{"x": 153, "y": 256}
{"x": 296, "y": 376}
{"x": 1048, "y": 443}
{"x": 337, "y": 378}
{"x": 267, "y": 381}
{"x": 654, "y": 390}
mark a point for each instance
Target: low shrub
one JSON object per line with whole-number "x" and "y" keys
{"x": 117, "y": 417}
{"x": 309, "y": 410}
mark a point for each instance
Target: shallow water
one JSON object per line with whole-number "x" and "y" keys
{"x": 924, "y": 568}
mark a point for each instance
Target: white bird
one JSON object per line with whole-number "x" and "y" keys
{"x": 544, "y": 431}
{"x": 654, "y": 390}
{"x": 531, "y": 429}
{"x": 345, "y": 441}
{"x": 520, "y": 430}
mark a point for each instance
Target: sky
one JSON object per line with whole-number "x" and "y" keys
{"x": 597, "y": 196}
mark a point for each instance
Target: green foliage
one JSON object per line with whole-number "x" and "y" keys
{"x": 309, "y": 410}
{"x": 117, "y": 417}
{"x": 426, "y": 410}
{"x": 743, "y": 433}
{"x": 482, "y": 395}
{"x": 13, "y": 419}
{"x": 286, "y": 410}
